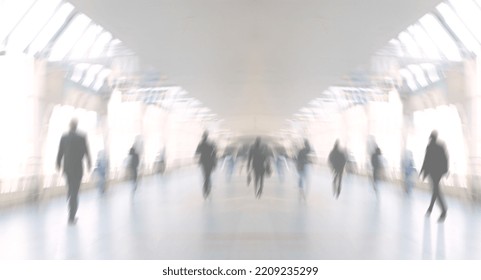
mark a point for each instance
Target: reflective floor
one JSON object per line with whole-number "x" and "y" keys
{"x": 168, "y": 219}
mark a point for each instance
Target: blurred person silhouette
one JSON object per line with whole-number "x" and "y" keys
{"x": 281, "y": 164}
{"x": 72, "y": 150}
{"x": 337, "y": 161}
{"x": 435, "y": 165}
{"x": 207, "y": 160}
{"x": 408, "y": 171}
{"x": 376, "y": 164}
{"x": 302, "y": 160}
{"x": 101, "y": 170}
{"x": 134, "y": 161}
{"x": 258, "y": 161}
{"x": 160, "y": 162}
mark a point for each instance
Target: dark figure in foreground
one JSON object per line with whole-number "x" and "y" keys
{"x": 376, "y": 163}
{"x": 72, "y": 149}
{"x": 302, "y": 160}
{"x": 134, "y": 161}
{"x": 207, "y": 160}
{"x": 337, "y": 161}
{"x": 259, "y": 160}
{"x": 435, "y": 165}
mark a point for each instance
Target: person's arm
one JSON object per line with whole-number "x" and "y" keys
{"x": 87, "y": 153}
{"x": 423, "y": 168}
{"x": 60, "y": 153}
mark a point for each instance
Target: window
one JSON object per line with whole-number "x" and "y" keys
{"x": 69, "y": 37}
{"x": 31, "y": 24}
{"x": 49, "y": 30}
{"x": 424, "y": 41}
{"x": 458, "y": 27}
{"x": 442, "y": 39}
{"x": 85, "y": 42}
{"x": 419, "y": 74}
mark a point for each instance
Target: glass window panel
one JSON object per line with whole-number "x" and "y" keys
{"x": 31, "y": 24}
{"x": 53, "y": 25}
{"x": 424, "y": 41}
{"x": 11, "y": 11}
{"x": 419, "y": 74}
{"x": 91, "y": 73}
{"x": 410, "y": 45}
{"x": 85, "y": 42}
{"x": 470, "y": 14}
{"x": 407, "y": 75}
{"x": 432, "y": 71}
{"x": 79, "y": 71}
{"x": 442, "y": 39}
{"x": 397, "y": 48}
{"x": 69, "y": 37}
{"x": 101, "y": 78}
{"x": 100, "y": 45}
{"x": 458, "y": 27}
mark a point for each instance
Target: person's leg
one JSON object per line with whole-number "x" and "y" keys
{"x": 261, "y": 183}
{"x": 334, "y": 180}
{"x": 134, "y": 179}
{"x": 339, "y": 179}
{"x": 208, "y": 180}
{"x": 73, "y": 189}
{"x": 433, "y": 197}
{"x": 440, "y": 198}
{"x": 257, "y": 177}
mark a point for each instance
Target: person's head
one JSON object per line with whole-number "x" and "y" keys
{"x": 336, "y": 144}
{"x": 434, "y": 136}
{"x": 132, "y": 151}
{"x": 205, "y": 135}
{"x": 306, "y": 143}
{"x": 258, "y": 141}
{"x": 73, "y": 124}
{"x": 378, "y": 151}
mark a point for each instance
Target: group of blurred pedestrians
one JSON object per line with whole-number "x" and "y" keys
{"x": 73, "y": 149}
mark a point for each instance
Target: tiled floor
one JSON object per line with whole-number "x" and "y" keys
{"x": 169, "y": 219}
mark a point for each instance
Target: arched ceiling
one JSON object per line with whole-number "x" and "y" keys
{"x": 255, "y": 62}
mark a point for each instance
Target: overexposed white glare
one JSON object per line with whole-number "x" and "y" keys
{"x": 91, "y": 73}
{"x": 101, "y": 78}
{"x": 411, "y": 47}
{"x": 69, "y": 37}
{"x": 49, "y": 30}
{"x": 459, "y": 28}
{"x": 432, "y": 71}
{"x": 11, "y": 11}
{"x": 418, "y": 74}
{"x": 100, "y": 44}
{"x": 85, "y": 42}
{"x": 424, "y": 42}
{"x": 31, "y": 24}
{"x": 408, "y": 76}
{"x": 470, "y": 14}
{"x": 79, "y": 71}
{"x": 440, "y": 36}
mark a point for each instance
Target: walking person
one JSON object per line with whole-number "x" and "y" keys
{"x": 302, "y": 160}
{"x": 376, "y": 163}
{"x": 258, "y": 160}
{"x": 72, "y": 150}
{"x": 435, "y": 165}
{"x": 134, "y": 161}
{"x": 101, "y": 170}
{"x": 337, "y": 161}
{"x": 408, "y": 170}
{"x": 207, "y": 160}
